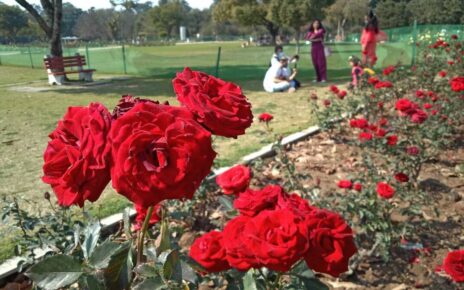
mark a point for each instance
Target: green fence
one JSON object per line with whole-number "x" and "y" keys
{"x": 236, "y": 62}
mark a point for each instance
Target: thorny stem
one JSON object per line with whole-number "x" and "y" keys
{"x": 141, "y": 236}
{"x": 20, "y": 219}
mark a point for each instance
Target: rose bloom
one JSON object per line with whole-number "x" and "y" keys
{"x": 357, "y": 187}
{"x": 159, "y": 152}
{"x": 433, "y": 112}
{"x": 383, "y": 122}
{"x": 234, "y": 180}
{"x": 364, "y": 136}
{"x": 126, "y": 103}
{"x": 208, "y": 251}
{"x": 450, "y": 62}
{"x": 381, "y": 85}
{"x": 294, "y": 203}
{"x": 251, "y": 202}
{"x": 457, "y": 84}
{"x": 218, "y": 105}
{"x": 142, "y": 213}
{"x": 341, "y": 95}
{"x": 405, "y": 106}
{"x": 442, "y": 73}
{"x": 372, "y": 80}
{"x": 265, "y": 117}
{"x": 238, "y": 253}
{"x": 360, "y": 123}
{"x": 413, "y": 150}
{"x": 427, "y": 106}
{"x": 454, "y": 36}
{"x": 454, "y": 265}
{"x": 380, "y": 105}
{"x": 392, "y": 140}
{"x": 420, "y": 94}
{"x": 327, "y": 103}
{"x": 401, "y": 177}
{"x": 277, "y": 238}
{"x": 419, "y": 117}
{"x": 334, "y": 89}
{"x": 347, "y": 184}
{"x": 331, "y": 243}
{"x": 388, "y": 70}
{"x": 380, "y": 133}
{"x": 77, "y": 157}
{"x": 373, "y": 127}
{"x": 384, "y": 190}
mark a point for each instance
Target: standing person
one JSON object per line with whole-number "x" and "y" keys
{"x": 369, "y": 39}
{"x": 316, "y": 36}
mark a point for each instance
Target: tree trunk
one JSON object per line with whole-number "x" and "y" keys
{"x": 273, "y": 31}
{"x": 56, "y": 48}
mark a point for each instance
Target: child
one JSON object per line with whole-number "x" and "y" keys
{"x": 356, "y": 70}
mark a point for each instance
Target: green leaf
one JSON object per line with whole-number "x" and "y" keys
{"x": 92, "y": 234}
{"x": 314, "y": 284}
{"x": 102, "y": 254}
{"x": 165, "y": 243}
{"x": 226, "y": 202}
{"x": 151, "y": 284}
{"x": 171, "y": 266}
{"x": 55, "y": 272}
{"x": 127, "y": 223}
{"x": 118, "y": 274}
{"x": 146, "y": 271}
{"x": 249, "y": 282}
{"x": 90, "y": 282}
{"x": 188, "y": 274}
{"x": 302, "y": 271}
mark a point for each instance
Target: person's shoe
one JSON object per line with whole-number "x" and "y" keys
{"x": 323, "y": 81}
{"x": 315, "y": 81}
{"x": 291, "y": 90}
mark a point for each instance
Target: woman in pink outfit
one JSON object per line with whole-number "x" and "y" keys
{"x": 369, "y": 40}
{"x": 316, "y": 36}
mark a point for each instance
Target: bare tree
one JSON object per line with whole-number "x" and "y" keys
{"x": 50, "y": 24}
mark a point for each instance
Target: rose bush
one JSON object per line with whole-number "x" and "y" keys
{"x": 234, "y": 180}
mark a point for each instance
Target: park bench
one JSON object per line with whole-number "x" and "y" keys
{"x": 58, "y": 67}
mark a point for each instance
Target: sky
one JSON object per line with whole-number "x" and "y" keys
{"x": 86, "y": 4}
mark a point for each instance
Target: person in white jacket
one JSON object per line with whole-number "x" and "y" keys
{"x": 279, "y": 78}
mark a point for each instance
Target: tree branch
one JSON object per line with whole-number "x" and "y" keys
{"x": 42, "y": 23}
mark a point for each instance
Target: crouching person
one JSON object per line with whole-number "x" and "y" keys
{"x": 279, "y": 78}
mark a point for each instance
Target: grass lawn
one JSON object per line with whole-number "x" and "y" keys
{"x": 30, "y": 109}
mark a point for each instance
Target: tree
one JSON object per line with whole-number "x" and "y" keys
{"x": 168, "y": 16}
{"x": 100, "y": 24}
{"x": 50, "y": 23}
{"x": 12, "y": 20}
{"x": 349, "y": 12}
{"x": 247, "y": 12}
{"x": 70, "y": 16}
{"x": 393, "y": 13}
{"x": 437, "y": 11}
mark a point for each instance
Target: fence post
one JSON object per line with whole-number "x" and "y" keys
{"x": 414, "y": 42}
{"x": 218, "y": 59}
{"x": 0, "y": 60}
{"x": 87, "y": 54}
{"x": 30, "y": 56}
{"x": 124, "y": 58}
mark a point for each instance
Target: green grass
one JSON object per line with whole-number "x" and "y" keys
{"x": 30, "y": 109}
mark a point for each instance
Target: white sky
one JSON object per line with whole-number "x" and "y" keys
{"x": 86, "y": 4}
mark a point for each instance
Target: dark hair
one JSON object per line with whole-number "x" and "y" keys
{"x": 372, "y": 22}
{"x": 311, "y": 28}
{"x": 278, "y": 47}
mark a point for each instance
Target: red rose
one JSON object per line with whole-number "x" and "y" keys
{"x": 405, "y": 106}
{"x": 384, "y": 190}
{"x": 373, "y": 80}
{"x": 239, "y": 254}
{"x": 388, "y": 70}
{"x": 457, "y": 84}
{"x": 433, "y": 112}
{"x": 326, "y": 103}
{"x": 401, "y": 177}
{"x": 419, "y": 117}
{"x": 295, "y": 203}
{"x": 341, "y": 95}
{"x": 450, "y": 62}
{"x": 159, "y": 152}
{"x": 420, "y": 94}
{"x": 427, "y": 106}
{"x": 331, "y": 243}
{"x": 265, "y": 117}
{"x": 126, "y": 103}
{"x": 277, "y": 238}
{"x": 76, "y": 160}
{"x": 251, "y": 202}
{"x": 383, "y": 122}
{"x": 347, "y": 184}
{"x": 364, "y": 136}
{"x": 142, "y": 213}
{"x": 381, "y": 85}
{"x": 334, "y": 89}
{"x": 380, "y": 105}
{"x": 218, "y": 105}
{"x": 412, "y": 150}
{"x": 442, "y": 73}
{"x": 380, "y": 133}
{"x": 234, "y": 180}
{"x": 357, "y": 186}
{"x": 208, "y": 250}
{"x": 454, "y": 265}
{"x": 392, "y": 140}
{"x": 454, "y": 36}
{"x": 360, "y": 123}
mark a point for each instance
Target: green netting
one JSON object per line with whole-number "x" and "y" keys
{"x": 236, "y": 63}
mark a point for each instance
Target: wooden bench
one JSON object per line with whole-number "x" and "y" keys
{"x": 57, "y": 68}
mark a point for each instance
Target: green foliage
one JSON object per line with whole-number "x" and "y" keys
{"x": 12, "y": 20}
